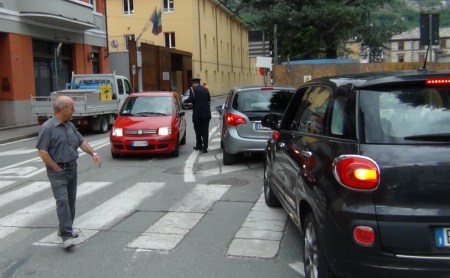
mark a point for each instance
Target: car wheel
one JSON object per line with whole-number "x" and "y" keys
{"x": 176, "y": 152}
{"x": 104, "y": 125}
{"x": 183, "y": 140}
{"x": 228, "y": 159}
{"x": 314, "y": 259}
{"x": 269, "y": 196}
{"x": 114, "y": 155}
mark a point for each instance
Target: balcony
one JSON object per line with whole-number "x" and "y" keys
{"x": 64, "y": 14}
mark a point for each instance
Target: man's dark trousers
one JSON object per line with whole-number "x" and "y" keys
{"x": 201, "y": 128}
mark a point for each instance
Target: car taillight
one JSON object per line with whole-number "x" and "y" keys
{"x": 275, "y": 135}
{"x": 438, "y": 81}
{"x": 234, "y": 120}
{"x": 364, "y": 235}
{"x": 356, "y": 172}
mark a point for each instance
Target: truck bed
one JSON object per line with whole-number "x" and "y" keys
{"x": 86, "y": 101}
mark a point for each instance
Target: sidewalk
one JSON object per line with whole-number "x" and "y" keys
{"x": 9, "y": 134}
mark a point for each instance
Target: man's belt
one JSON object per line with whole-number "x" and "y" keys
{"x": 67, "y": 164}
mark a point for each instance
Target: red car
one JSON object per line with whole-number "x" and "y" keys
{"x": 149, "y": 123}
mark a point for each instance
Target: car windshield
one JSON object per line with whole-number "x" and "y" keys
{"x": 406, "y": 115}
{"x": 145, "y": 106}
{"x": 262, "y": 100}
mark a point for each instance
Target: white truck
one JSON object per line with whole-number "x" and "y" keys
{"x": 97, "y": 99}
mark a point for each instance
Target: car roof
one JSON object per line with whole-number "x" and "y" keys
{"x": 369, "y": 79}
{"x": 153, "y": 93}
{"x": 253, "y": 87}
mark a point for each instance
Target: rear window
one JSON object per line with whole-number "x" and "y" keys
{"x": 259, "y": 100}
{"x": 406, "y": 114}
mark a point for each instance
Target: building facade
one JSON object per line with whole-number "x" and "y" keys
{"x": 211, "y": 32}
{"x": 41, "y": 44}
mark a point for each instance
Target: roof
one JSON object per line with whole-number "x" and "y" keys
{"x": 414, "y": 34}
{"x": 368, "y": 79}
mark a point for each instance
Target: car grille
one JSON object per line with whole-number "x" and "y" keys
{"x": 136, "y": 132}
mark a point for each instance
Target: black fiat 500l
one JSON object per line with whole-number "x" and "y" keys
{"x": 361, "y": 164}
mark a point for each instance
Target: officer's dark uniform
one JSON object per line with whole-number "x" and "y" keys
{"x": 201, "y": 115}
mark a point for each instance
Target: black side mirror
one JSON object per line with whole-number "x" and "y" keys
{"x": 181, "y": 113}
{"x": 271, "y": 121}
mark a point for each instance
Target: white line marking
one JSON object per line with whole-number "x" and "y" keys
{"x": 261, "y": 233}
{"x": 23, "y": 192}
{"x": 23, "y": 217}
{"x": 4, "y": 184}
{"x": 299, "y": 267}
{"x": 109, "y": 213}
{"x": 169, "y": 230}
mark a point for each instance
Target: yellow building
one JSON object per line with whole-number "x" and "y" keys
{"x": 215, "y": 36}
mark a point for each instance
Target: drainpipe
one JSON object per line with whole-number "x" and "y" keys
{"x": 106, "y": 29}
{"x": 199, "y": 36}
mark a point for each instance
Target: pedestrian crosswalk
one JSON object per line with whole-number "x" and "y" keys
{"x": 259, "y": 236}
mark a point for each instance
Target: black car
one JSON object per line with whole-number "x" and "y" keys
{"x": 361, "y": 164}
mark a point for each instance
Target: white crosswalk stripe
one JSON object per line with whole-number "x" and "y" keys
{"x": 23, "y": 217}
{"x": 109, "y": 213}
{"x": 23, "y": 192}
{"x": 167, "y": 232}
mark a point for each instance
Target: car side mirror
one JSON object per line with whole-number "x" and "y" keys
{"x": 219, "y": 108}
{"x": 181, "y": 113}
{"x": 271, "y": 121}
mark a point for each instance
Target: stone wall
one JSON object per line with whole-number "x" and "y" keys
{"x": 296, "y": 75}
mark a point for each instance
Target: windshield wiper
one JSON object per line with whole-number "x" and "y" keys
{"x": 429, "y": 137}
{"x": 148, "y": 113}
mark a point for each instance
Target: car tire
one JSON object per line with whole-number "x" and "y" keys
{"x": 183, "y": 140}
{"x": 228, "y": 159}
{"x": 103, "y": 125}
{"x": 114, "y": 155}
{"x": 270, "y": 198}
{"x": 176, "y": 152}
{"x": 314, "y": 259}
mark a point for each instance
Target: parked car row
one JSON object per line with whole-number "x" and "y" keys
{"x": 360, "y": 163}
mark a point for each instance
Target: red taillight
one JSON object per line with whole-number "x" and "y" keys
{"x": 275, "y": 135}
{"x": 364, "y": 235}
{"x": 234, "y": 120}
{"x": 356, "y": 172}
{"x": 438, "y": 81}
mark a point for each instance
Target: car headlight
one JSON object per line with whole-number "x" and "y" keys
{"x": 164, "y": 131}
{"x": 117, "y": 131}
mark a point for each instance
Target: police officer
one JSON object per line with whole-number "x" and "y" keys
{"x": 201, "y": 115}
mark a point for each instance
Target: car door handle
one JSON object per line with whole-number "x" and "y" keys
{"x": 306, "y": 153}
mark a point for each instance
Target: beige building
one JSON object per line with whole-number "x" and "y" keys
{"x": 212, "y": 33}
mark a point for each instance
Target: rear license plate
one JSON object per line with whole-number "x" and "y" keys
{"x": 258, "y": 126}
{"x": 442, "y": 237}
{"x": 139, "y": 143}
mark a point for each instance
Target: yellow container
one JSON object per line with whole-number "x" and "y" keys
{"x": 105, "y": 92}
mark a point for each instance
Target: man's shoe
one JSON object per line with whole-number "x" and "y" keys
{"x": 68, "y": 243}
{"x": 74, "y": 234}
{"x": 196, "y": 148}
{"x": 205, "y": 151}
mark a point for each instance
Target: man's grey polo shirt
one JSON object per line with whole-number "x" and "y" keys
{"x": 60, "y": 140}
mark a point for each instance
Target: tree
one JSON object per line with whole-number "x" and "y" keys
{"x": 314, "y": 28}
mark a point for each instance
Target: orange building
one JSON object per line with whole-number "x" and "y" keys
{"x": 41, "y": 44}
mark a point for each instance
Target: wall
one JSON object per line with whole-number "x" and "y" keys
{"x": 294, "y": 75}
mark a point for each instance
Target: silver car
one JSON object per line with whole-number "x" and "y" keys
{"x": 241, "y": 115}
{"x": 185, "y": 96}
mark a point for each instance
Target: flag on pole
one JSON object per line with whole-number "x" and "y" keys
{"x": 156, "y": 20}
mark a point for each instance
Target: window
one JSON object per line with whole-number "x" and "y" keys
{"x": 401, "y": 58}
{"x": 93, "y": 3}
{"x": 443, "y": 43}
{"x": 401, "y": 45}
{"x": 128, "y": 7}
{"x": 170, "y": 39}
{"x": 168, "y": 6}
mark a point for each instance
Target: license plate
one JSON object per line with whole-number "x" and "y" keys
{"x": 258, "y": 126}
{"x": 139, "y": 143}
{"x": 442, "y": 237}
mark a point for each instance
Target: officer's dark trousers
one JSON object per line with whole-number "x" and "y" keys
{"x": 201, "y": 128}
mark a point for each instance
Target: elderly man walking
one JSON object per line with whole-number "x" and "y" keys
{"x": 57, "y": 145}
